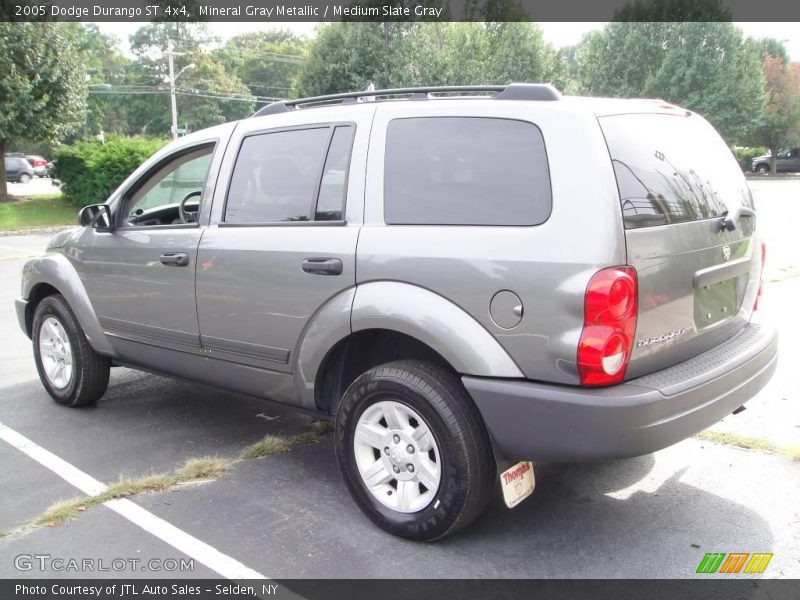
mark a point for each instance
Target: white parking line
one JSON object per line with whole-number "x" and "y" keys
{"x": 209, "y": 556}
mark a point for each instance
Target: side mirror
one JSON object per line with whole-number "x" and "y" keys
{"x": 97, "y": 216}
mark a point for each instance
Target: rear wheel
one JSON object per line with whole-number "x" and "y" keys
{"x": 413, "y": 450}
{"x": 71, "y": 372}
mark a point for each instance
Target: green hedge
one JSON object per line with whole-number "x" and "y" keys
{"x": 745, "y": 156}
{"x": 90, "y": 171}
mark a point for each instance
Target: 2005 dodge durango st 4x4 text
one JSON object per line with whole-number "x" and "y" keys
{"x": 465, "y": 279}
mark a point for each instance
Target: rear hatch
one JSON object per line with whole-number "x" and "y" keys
{"x": 677, "y": 182}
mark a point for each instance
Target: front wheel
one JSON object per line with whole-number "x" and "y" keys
{"x": 24, "y": 178}
{"x": 413, "y": 450}
{"x": 762, "y": 169}
{"x": 70, "y": 370}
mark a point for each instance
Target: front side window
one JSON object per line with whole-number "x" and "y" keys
{"x": 465, "y": 171}
{"x": 171, "y": 195}
{"x": 291, "y": 175}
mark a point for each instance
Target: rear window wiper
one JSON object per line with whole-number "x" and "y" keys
{"x": 729, "y": 220}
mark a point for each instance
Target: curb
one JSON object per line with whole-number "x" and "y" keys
{"x": 35, "y": 230}
{"x": 779, "y": 177}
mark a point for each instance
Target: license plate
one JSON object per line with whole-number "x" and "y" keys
{"x": 517, "y": 483}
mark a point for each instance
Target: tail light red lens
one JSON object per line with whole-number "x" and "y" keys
{"x": 609, "y": 325}
{"x": 761, "y": 276}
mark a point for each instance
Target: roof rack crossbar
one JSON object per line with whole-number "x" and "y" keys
{"x": 514, "y": 91}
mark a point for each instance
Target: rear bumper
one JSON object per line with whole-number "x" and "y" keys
{"x": 562, "y": 423}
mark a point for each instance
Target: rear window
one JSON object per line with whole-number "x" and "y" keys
{"x": 465, "y": 171}
{"x": 672, "y": 169}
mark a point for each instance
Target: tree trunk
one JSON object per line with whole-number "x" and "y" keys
{"x": 3, "y": 194}
{"x": 773, "y": 161}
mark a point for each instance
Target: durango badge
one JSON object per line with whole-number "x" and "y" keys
{"x": 660, "y": 338}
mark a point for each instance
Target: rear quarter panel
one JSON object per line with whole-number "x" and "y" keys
{"x": 547, "y": 265}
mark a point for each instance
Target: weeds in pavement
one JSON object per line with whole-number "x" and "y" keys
{"x": 194, "y": 469}
{"x": 275, "y": 444}
{"x": 749, "y": 443}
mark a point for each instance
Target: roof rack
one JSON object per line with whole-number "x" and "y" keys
{"x": 513, "y": 91}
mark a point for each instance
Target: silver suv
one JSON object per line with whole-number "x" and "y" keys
{"x": 465, "y": 279}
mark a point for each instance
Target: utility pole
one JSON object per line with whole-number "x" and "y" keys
{"x": 170, "y": 54}
{"x": 172, "y": 77}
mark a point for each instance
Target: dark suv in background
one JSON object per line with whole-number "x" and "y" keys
{"x": 18, "y": 170}
{"x": 788, "y": 161}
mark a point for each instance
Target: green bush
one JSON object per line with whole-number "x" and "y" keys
{"x": 90, "y": 171}
{"x": 745, "y": 156}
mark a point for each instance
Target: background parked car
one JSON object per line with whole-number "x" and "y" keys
{"x": 18, "y": 169}
{"x": 36, "y": 160}
{"x": 788, "y": 161}
{"x": 45, "y": 170}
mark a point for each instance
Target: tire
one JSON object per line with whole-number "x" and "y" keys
{"x": 57, "y": 340}
{"x": 762, "y": 169}
{"x": 24, "y": 178}
{"x": 416, "y": 395}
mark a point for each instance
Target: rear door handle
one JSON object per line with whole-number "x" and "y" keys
{"x": 323, "y": 266}
{"x": 175, "y": 259}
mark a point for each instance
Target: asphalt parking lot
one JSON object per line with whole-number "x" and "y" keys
{"x": 289, "y": 515}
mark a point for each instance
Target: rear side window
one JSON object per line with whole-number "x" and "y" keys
{"x": 672, "y": 169}
{"x": 292, "y": 175}
{"x": 333, "y": 187}
{"x": 465, "y": 171}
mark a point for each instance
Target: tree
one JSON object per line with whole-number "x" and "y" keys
{"x": 447, "y": 54}
{"x": 348, "y": 56}
{"x": 706, "y": 67}
{"x": 674, "y": 11}
{"x": 267, "y": 62}
{"x": 710, "y": 68}
{"x": 780, "y": 125}
{"x": 151, "y": 41}
{"x": 105, "y": 65}
{"x": 518, "y": 52}
{"x": 208, "y": 93}
{"x": 42, "y": 87}
{"x": 771, "y": 47}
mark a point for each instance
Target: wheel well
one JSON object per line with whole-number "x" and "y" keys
{"x": 39, "y": 292}
{"x": 360, "y": 352}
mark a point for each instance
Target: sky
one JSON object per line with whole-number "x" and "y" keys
{"x": 558, "y": 34}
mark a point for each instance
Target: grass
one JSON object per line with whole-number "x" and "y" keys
{"x": 749, "y": 443}
{"x": 36, "y": 211}
{"x": 275, "y": 444}
{"x": 206, "y": 467}
{"x": 194, "y": 469}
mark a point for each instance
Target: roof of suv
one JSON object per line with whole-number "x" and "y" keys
{"x": 524, "y": 92}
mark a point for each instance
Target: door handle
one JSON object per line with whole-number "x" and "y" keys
{"x": 323, "y": 266}
{"x": 175, "y": 259}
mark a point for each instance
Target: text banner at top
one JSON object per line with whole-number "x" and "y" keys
{"x": 277, "y": 11}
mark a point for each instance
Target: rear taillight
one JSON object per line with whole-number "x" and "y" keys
{"x": 609, "y": 324}
{"x": 761, "y": 275}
